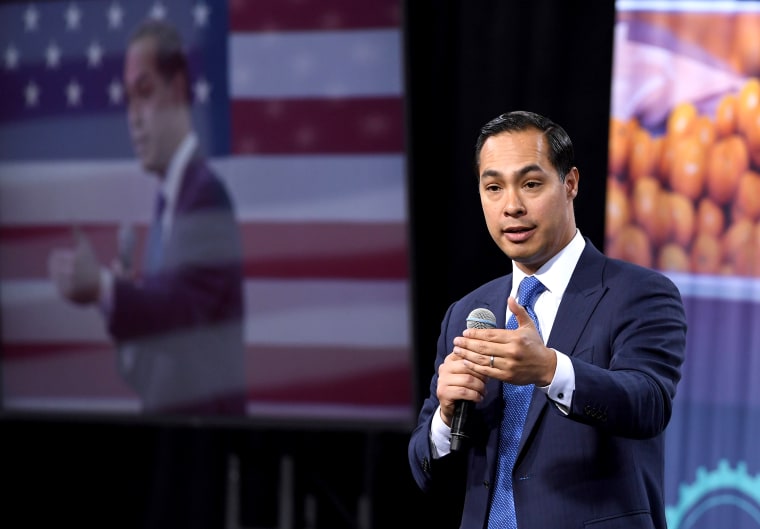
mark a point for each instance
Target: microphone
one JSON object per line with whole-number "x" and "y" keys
{"x": 126, "y": 246}
{"x": 478, "y": 319}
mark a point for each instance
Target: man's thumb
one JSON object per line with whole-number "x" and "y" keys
{"x": 522, "y": 316}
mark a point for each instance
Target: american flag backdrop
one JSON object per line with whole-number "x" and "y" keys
{"x": 299, "y": 105}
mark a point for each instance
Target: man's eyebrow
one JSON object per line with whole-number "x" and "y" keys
{"x": 521, "y": 172}
{"x": 530, "y": 169}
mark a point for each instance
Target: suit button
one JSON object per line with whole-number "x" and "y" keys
{"x": 486, "y": 484}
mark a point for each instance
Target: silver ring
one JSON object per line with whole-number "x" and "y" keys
{"x": 491, "y": 361}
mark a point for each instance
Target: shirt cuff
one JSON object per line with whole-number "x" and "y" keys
{"x": 562, "y": 386}
{"x": 440, "y": 436}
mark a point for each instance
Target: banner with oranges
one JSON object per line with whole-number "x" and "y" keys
{"x": 683, "y": 197}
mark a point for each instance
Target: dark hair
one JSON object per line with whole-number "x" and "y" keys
{"x": 170, "y": 55}
{"x": 561, "y": 153}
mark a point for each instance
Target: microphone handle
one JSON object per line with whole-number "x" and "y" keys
{"x": 458, "y": 437}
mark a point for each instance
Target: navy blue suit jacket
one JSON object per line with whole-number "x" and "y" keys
{"x": 624, "y": 329}
{"x": 180, "y": 329}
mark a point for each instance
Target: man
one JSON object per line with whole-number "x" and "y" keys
{"x": 178, "y": 327}
{"x": 599, "y": 365}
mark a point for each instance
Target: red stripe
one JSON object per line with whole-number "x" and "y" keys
{"x": 87, "y": 370}
{"x": 385, "y": 387}
{"x": 326, "y": 250}
{"x": 271, "y": 249}
{"x": 294, "y": 15}
{"x": 318, "y": 126}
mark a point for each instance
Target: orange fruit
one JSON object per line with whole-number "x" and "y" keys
{"x": 747, "y": 201}
{"x": 665, "y": 158}
{"x": 632, "y": 244}
{"x": 617, "y": 208}
{"x": 756, "y": 245}
{"x": 747, "y": 100}
{"x": 705, "y": 254}
{"x": 745, "y": 49}
{"x": 752, "y": 135}
{"x": 673, "y": 258}
{"x": 727, "y": 161}
{"x": 641, "y": 158}
{"x": 619, "y": 144}
{"x": 704, "y": 130}
{"x": 680, "y": 119}
{"x": 710, "y": 218}
{"x": 644, "y": 203}
{"x": 684, "y": 218}
{"x": 658, "y": 147}
{"x": 662, "y": 224}
{"x": 737, "y": 248}
{"x": 689, "y": 167}
{"x": 725, "y": 115}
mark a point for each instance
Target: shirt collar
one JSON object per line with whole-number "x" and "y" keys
{"x": 171, "y": 184}
{"x": 556, "y": 272}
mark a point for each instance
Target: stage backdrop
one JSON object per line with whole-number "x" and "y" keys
{"x": 683, "y": 197}
{"x": 300, "y": 107}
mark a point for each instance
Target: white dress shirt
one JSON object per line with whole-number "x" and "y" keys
{"x": 555, "y": 275}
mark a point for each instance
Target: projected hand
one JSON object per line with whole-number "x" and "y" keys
{"x": 76, "y": 271}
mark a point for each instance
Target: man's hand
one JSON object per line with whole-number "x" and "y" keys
{"x": 76, "y": 271}
{"x": 519, "y": 356}
{"x": 457, "y": 382}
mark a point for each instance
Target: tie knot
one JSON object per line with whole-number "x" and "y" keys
{"x": 530, "y": 288}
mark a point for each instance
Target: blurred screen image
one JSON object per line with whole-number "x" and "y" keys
{"x": 279, "y": 154}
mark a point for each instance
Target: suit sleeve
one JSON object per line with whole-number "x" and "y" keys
{"x": 628, "y": 361}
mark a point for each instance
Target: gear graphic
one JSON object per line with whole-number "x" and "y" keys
{"x": 722, "y": 486}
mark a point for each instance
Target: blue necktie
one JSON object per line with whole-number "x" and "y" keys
{"x": 516, "y": 402}
{"x": 155, "y": 243}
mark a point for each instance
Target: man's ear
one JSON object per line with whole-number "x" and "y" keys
{"x": 571, "y": 182}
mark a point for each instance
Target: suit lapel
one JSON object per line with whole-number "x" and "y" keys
{"x": 578, "y": 302}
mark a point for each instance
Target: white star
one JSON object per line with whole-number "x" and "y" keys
{"x": 53, "y": 55}
{"x": 201, "y": 13}
{"x": 158, "y": 11}
{"x": 31, "y": 18}
{"x": 73, "y": 17}
{"x": 115, "y": 92}
{"x": 11, "y": 57}
{"x": 31, "y": 94}
{"x": 115, "y": 15}
{"x": 94, "y": 54}
{"x": 73, "y": 93}
{"x": 202, "y": 90}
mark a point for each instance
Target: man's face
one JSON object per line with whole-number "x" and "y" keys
{"x": 154, "y": 107}
{"x": 527, "y": 208}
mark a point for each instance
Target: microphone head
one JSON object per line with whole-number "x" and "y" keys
{"x": 481, "y": 319}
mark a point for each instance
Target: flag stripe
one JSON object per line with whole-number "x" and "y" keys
{"x": 288, "y": 15}
{"x": 308, "y": 188}
{"x": 310, "y": 126}
{"x": 275, "y": 372}
{"x": 271, "y": 249}
{"x": 312, "y": 65}
{"x": 328, "y": 312}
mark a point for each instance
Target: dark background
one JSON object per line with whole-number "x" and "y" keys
{"x": 466, "y": 62}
